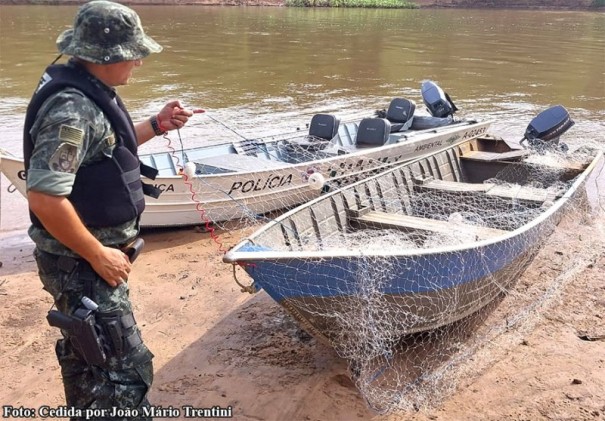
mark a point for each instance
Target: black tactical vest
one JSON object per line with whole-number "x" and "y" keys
{"x": 108, "y": 192}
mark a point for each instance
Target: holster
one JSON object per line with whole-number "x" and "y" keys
{"x": 119, "y": 332}
{"x": 83, "y": 333}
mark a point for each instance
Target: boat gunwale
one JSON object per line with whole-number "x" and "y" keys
{"x": 234, "y": 256}
{"x": 413, "y": 136}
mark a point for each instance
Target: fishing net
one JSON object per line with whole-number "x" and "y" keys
{"x": 409, "y": 350}
{"x": 401, "y": 276}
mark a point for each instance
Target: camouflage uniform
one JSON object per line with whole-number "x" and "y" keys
{"x": 70, "y": 132}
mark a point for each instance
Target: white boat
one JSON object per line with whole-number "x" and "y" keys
{"x": 251, "y": 177}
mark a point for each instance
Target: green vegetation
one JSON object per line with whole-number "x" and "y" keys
{"x": 598, "y": 3}
{"x": 378, "y": 4}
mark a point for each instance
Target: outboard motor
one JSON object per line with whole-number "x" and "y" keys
{"x": 400, "y": 114}
{"x": 544, "y": 130}
{"x": 373, "y": 132}
{"x": 436, "y": 100}
{"x": 324, "y": 126}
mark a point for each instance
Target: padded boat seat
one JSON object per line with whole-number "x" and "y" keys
{"x": 426, "y": 122}
{"x": 400, "y": 114}
{"x": 324, "y": 126}
{"x": 373, "y": 132}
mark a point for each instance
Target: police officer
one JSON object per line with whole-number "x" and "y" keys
{"x": 86, "y": 196}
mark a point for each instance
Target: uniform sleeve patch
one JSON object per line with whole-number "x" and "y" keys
{"x": 71, "y": 134}
{"x": 110, "y": 141}
{"x": 64, "y": 159}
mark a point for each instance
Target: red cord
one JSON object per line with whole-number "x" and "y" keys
{"x": 198, "y": 205}
{"x": 202, "y": 213}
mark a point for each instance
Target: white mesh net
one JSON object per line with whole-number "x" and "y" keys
{"x": 412, "y": 276}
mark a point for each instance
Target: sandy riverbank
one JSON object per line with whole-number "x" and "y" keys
{"x": 217, "y": 346}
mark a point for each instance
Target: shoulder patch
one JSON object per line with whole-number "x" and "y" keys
{"x": 110, "y": 140}
{"x": 64, "y": 159}
{"x": 71, "y": 134}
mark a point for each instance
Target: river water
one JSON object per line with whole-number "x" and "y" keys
{"x": 259, "y": 70}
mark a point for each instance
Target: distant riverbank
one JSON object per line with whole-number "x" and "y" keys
{"x": 467, "y": 4}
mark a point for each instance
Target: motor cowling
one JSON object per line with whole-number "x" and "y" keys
{"x": 436, "y": 100}
{"x": 549, "y": 125}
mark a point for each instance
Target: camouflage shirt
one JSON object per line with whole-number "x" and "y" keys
{"x": 70, "y": 132}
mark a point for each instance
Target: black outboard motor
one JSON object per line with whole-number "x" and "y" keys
{"x": 436, "y": 100}
{"x": 400, "y": 114}
{"x": 544, "y": 130}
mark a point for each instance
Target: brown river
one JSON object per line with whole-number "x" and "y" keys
{"x": 260, "y": 70}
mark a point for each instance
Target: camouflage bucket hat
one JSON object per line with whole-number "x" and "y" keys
{"x": 105, "y": 32}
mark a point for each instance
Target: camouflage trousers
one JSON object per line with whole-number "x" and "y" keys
{"x": 125, "y": 378}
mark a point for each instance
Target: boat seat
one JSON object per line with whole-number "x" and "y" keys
{"x": 426, "y": 122}
{"x": 495, "y": 156}
{"x": 373, "y": 132}
{"x": 324, "y": 126}
{"x": 526, "y": 193}
{"x": 400, "y": 114}
{"x": 431, "y": 183}
{"x": 382, "y": 220}
{"x": 506, "y": 191}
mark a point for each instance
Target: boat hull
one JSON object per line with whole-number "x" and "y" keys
{"x": 417, "y": 293}
{"x": 335, "y": 290}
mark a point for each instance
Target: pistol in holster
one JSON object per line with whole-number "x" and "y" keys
{"x": 83, "y": 333}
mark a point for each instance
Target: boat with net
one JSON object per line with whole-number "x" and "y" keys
{"x": 250, "y": 177}
{"x": 421, "y": 245}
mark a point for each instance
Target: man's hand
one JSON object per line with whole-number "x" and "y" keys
{"x": 112, "y": 265}
{"x": 173, "y": 116}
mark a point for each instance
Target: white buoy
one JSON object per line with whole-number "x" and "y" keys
{"x": 316, "y": 181}
{"x": 190, "y": 170}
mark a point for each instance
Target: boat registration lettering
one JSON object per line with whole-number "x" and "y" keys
{"x": 428, "y": 145}
{"x": 271, "y": 182}
{"x": 164, "y": 187}
{"x": 474, "y": 133}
